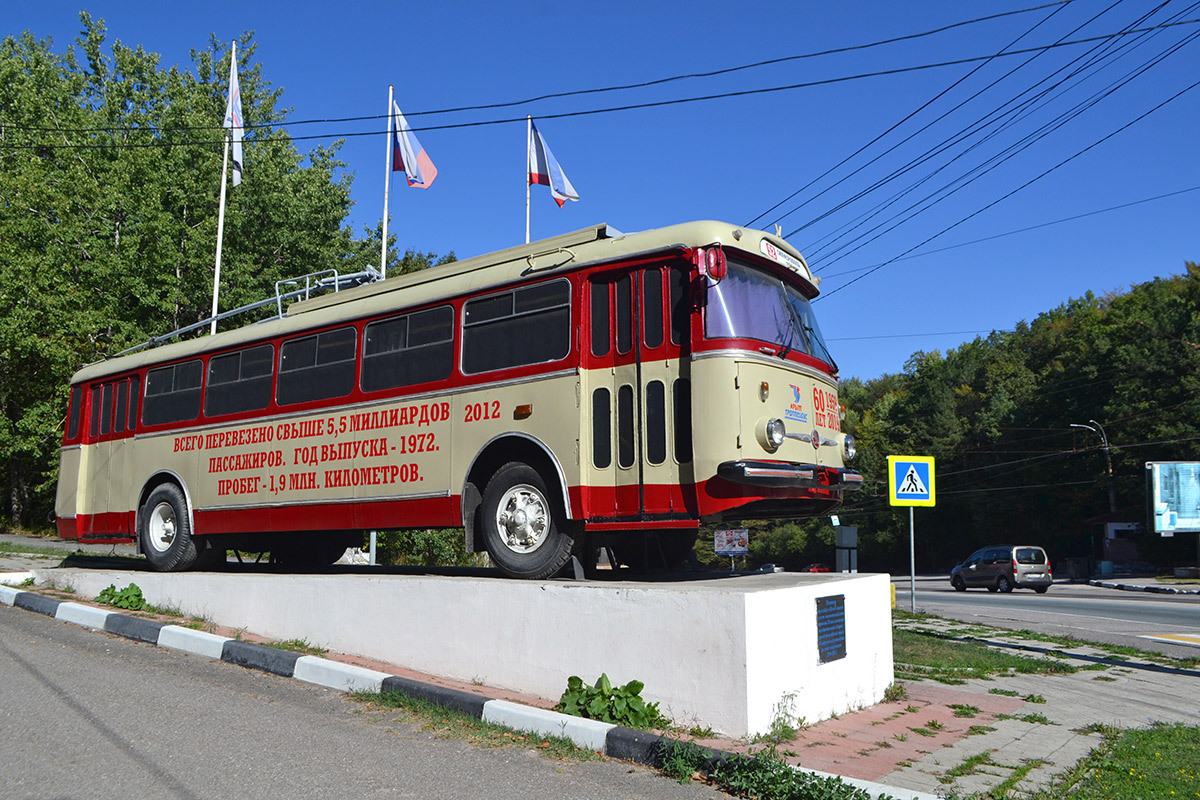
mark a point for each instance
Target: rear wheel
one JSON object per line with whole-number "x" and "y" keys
{"x": 523, "y": 525}
{"x": 1004, "y": 584}
{"x": 958, "y": 584}
{"x": 165, "y": 530}
{"x": 1040, "y": 589}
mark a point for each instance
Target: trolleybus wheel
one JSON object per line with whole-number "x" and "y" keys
{"x": 165, "y": 530}
{"x": 522, "y": 525}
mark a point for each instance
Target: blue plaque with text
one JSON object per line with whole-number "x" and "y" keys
{"x": 831, "y": 627}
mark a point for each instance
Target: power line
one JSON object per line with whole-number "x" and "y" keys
{"x": 1020, "y": 230}
{"x": 1025, "y": 185}
{"x": 996, "y": 160}
{"x": 637, "y": 106}
{"x": 623, "y": 87}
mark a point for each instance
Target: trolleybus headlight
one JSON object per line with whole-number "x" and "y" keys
{"x": 848, "y": 447}
{"x": 772, "y": 433}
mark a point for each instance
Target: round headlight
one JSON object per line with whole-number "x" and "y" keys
{"x": 848, "y": 447}
{"x": 776, "y": 433}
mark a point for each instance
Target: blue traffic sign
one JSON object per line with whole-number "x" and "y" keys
{"x": 911, "y": 481}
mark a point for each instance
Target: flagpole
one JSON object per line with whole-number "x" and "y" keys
{"x": 528, "y": 150}
{"x": 387, "y": 181}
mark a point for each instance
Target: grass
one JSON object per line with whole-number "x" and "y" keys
{"x": 1159, "y": 761}
{"x": 924, "y": 655}
{"x": 963, "y": 710}
{"x": 301, "y": 646}
{"x": 8, "y": 548}
{"x": 444, "y": 723}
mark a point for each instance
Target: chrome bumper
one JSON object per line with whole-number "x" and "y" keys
{"x": 782, "y": 474}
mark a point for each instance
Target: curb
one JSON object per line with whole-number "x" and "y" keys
{"x": 614, "y": 741}
{"x": 1127, "y": 587}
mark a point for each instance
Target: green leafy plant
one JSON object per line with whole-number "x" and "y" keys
{"x": 129, "y": 598}
{"x": 620, "y": 705}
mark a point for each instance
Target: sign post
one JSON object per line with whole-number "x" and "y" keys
{"x": 911, "y": 483}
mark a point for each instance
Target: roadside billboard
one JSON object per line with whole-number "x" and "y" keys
{"x": 1173, "y": 491}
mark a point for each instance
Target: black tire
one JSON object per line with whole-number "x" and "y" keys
{"x": 992, "y": 588}
{"x": 524, "y": 526}
{"x": 1004, "y": 584}
{"x": 957, "y": 583}
{"x": 165, "y": 530}
{"x": 1040, "y": 589}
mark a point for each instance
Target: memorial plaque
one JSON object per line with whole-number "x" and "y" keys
{"x": 831, "y": 628}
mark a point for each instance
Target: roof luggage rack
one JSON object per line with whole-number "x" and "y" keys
{"x": 306, "y": 286}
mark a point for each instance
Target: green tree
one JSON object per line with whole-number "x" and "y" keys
{"x": 110, "y": 169}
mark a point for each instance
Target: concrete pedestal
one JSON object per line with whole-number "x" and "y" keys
{"x": 730, "y": 653}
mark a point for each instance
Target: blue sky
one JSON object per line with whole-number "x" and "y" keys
{"x": 734, "y": 158}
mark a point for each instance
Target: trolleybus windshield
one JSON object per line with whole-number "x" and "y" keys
{"x": 750, "y": 303}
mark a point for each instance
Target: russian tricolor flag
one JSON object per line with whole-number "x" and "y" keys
{"x": 544, "y": 169}
{"x": 407, "y": 153}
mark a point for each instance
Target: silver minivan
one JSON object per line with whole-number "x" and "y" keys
{"x": 1004, "y": 567}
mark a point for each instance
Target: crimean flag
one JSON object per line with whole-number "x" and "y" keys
{"x": 233, "y": 115}
{"x": 407, "y": 153}
{"x": 544, "y": 169}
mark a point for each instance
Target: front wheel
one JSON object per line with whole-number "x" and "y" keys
{"x": 165, "y": 530}
{"x": 958, "y": 584}
{"x": 523, "y": 526}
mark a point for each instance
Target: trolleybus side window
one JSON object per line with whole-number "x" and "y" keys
{"x": 624, "y": 288}
{"x": 652, "y": 307}
{"x": 134, "y": 386}
{"x": 106, "y": 410}
{"x": 600, "y": 318}
{"x": 94, "y": 428}
{"x": 76, "y": 411}
{"x": 122, "y": 406}
{"x": 403, "y": 351}
{"x": 530, "y": 325}
{"x": 681, "y": 304}
{"x": 602, "y": 428}
{"x": 317, "y": 367}
{"x": 173, "y": 393}
{"x": 681, "y": 390}
{"x": 239, "y": 381}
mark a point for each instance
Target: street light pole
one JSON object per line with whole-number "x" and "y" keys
{"x": 1098, "y": 429}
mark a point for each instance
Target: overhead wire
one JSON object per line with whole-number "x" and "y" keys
{"x": 620, "y": 108}
{"x": 1007, "y": 153}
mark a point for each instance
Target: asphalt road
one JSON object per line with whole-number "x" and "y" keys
{"x": 88, "y": 715}
{"x": 1080, "y": 610}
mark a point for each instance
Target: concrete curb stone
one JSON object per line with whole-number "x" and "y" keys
{"x": 191, "y": 641}
{"x": 142, "y": 630}
{"x": 260, "y": 656}
{"x": 36, "y": 602}
{"x": 336, "y": 675}
{"x": 84, "y": 616}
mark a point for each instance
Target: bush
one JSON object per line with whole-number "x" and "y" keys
{"x": 621, "y": 705}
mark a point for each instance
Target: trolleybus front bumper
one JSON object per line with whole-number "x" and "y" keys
{"x": 785, "y": 474}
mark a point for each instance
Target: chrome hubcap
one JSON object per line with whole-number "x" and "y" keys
{"x": 162, "y": 527}
{"x": 523, "y": 519}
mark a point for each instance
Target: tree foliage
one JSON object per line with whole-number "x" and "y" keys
{"x": 110, "y": 170}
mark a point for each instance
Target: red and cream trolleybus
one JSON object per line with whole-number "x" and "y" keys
{"x": 595, "y": 389}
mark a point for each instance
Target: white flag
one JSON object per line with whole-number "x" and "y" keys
{"x": 233, "y": 115}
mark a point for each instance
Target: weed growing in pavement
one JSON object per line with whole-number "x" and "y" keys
{"x": 968, "y": 766}
{"x": 26, "y": 583}
{"x": 620, "y": 705}
{"x": 923, "y": 731}
{"x": 1034, "y": 698}
{"x": 766, "y": 774}
{"x": 979, "y": 730}
{"x": 935, "y": 725}
{"x": 130, "y": 598}
{"x": 900, "y": 737}
{"x": 963, "y": 710}
{"x": 895, "y": 692}
{"x": 301, "y": 646}
{"x": 1005, "y": 692}
{"x": 1104, "y": 678}
{"x": 682, "y": 760}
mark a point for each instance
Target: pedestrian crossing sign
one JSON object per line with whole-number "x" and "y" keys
{"x": 911, "y": 481}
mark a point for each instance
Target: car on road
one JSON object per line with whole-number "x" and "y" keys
{"x": 1004, "y": 567}
{"x": 816, "y": 568}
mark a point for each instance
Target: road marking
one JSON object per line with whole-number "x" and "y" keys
{"x": 1191, "y": 639}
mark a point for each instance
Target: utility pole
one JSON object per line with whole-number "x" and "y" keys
{"x": 1098, "y": 429}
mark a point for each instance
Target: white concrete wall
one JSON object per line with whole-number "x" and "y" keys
{"x": 720, "y": 653}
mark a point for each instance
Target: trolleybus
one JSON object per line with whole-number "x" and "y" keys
{"x": 596, "y": 389}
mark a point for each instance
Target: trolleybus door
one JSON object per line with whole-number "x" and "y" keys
{"x": 634, "y": 396}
